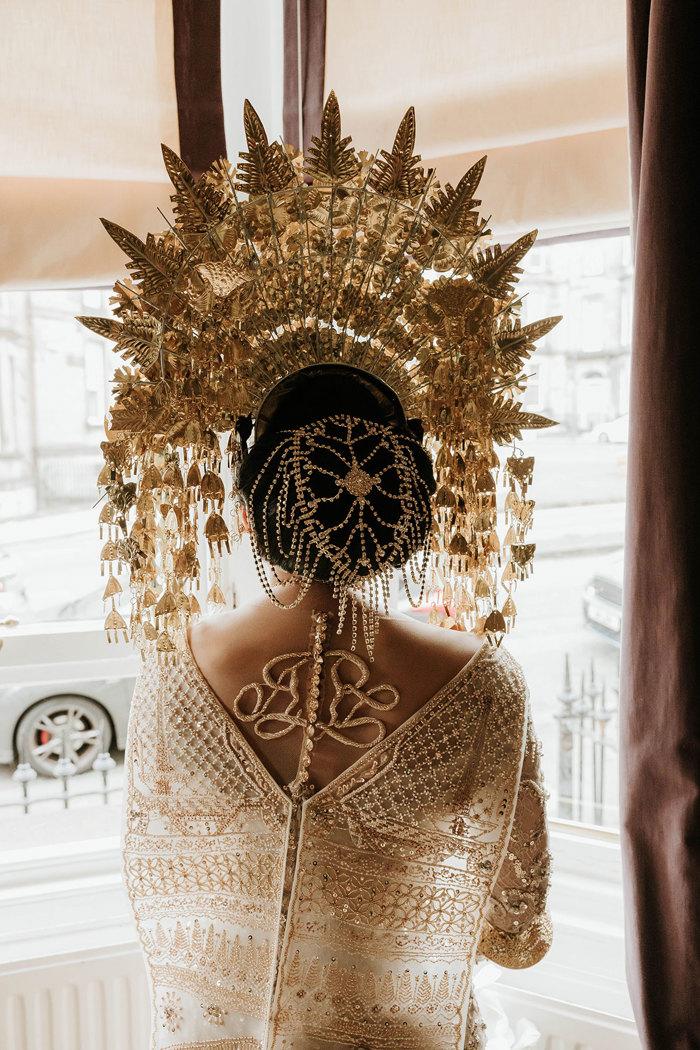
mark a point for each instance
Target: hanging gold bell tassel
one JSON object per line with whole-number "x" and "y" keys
{"x": 216, "y": 595}
{"x": 522, "y": 554}
{"x": 482, "y": 589}
{"x": 194, "y": 478}
{"x": 172, "y": 478}
{"x": 107, "y": 518}
{"x": 510, "y": 502}
{"x": 509, "y": 573}
{"x": 212, "y": 492}
{"x": 109, "y": 553}
{"x": 447, "y": 595}
{"x": 495, "y": 624}
{"x": 113, "y": 587}
{"x": 166, "y": 604}
{"x": 149, "y": 631}
{"x": 216, "y": 533}
{"x": 150, "y": 598}
{"x": 165, "y": 648}
{"x": 115, "y": 623}
{"x": 509, "y": 612}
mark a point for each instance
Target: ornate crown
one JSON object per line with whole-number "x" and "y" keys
{"x": 289, "y": 260}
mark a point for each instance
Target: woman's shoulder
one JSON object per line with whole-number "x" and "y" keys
{"x": 458, "y": 649}
{"x": 229, "y": 629}
{"x": 435, "y": 642}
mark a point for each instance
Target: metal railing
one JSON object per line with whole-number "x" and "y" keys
{"x": 25, "y": 776}
{"x": 587, "y": 718}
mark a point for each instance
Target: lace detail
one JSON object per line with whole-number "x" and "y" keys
{"x": 350, "y": 918}
{"x": 476, "y": 1029}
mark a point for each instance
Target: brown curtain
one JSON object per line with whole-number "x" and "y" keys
{"x": 661, "y": 635}
{"x": 309, "y": 46}
{"x": 200, "y": 108}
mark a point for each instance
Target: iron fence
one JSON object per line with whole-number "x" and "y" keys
{"x": 588, "y": 748}
{"x": 25, "y": 776}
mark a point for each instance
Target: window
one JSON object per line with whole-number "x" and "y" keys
{"x": 568, "y": 630}
{"x": 63, "y": 691}
{"x": 54, "y": 396}
{"x": 8, "y": 404}
{"x": 95, "y": 384}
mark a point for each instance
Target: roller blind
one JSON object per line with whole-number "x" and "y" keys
{"x": 540, "y": 87}
{"x": 88, "y": 95}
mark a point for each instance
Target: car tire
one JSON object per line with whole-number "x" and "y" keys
{"x": 42, "y": 730}
{"x": 603, "y": 438}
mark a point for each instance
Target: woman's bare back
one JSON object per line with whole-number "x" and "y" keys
{"x": 232, "y": 649}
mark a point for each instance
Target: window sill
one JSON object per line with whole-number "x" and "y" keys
{"x": 580, "y": 851}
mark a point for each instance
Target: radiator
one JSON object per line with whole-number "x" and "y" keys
{"x": 88, "y": 1002}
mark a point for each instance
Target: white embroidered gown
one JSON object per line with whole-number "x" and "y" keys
{"x": 351, "y": 919}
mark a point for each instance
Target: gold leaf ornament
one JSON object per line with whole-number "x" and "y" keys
{"x": 331, "y": 155}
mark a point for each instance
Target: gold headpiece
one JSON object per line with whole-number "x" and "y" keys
{"x": 284, "y": 262}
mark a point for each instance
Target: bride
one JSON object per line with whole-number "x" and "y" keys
{"x": 330, "y": 813}
{"x": 318, "y": 846}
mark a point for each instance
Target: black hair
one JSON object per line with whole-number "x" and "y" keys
{"x": 407, "y": 477}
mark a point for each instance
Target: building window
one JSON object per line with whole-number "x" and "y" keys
{"x": 95, "y": 384}
{"x": 8, "y": 402}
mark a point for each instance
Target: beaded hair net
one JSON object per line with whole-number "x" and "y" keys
{"x": 288, "y": 261}
{"x": 330, "y": 484}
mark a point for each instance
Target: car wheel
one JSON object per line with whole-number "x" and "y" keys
{"x": 71, "y": 727}
{"x": 604, "y": 438}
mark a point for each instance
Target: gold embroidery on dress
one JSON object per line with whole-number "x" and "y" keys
{"x": 222, "y": 1044}
{"x": 171, "y": 1011}
{"x": 231, "y": 972}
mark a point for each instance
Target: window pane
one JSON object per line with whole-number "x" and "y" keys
{"x": 64, "y": 692}
{"x": 568, "y": 628}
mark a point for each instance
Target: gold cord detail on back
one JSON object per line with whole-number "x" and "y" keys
{"x": 274, "y": 706}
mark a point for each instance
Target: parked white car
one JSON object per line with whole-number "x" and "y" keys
{"x": 64, "y": 692}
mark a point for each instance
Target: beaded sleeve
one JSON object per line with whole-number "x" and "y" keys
{"x": 517, "y": 930}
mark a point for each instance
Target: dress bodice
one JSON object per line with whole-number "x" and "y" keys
{"x": 348, "y": 919}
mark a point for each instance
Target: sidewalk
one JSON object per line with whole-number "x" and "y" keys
{"x": 46, "y": 526}
{"x": 570, "y": 530}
